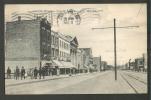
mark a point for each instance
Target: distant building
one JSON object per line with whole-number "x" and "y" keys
{"x": 139, "y": 64}
{"x": 88, "y": 58}
{"x": 97, "y": 63}
{"x": 103, "y": 65}
{"x": 131, "y": 65}
{"x": 145, "y": 61}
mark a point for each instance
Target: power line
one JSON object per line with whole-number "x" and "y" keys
{"x": 117, "y": 27}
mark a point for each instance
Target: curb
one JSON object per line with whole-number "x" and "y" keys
{"x": 42, "y": 80}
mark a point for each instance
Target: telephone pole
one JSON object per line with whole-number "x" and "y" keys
{"x": 115, "y": 49}
{"x": 115, "y": 57}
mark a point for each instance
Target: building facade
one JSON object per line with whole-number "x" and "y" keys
{"x": 103, "y": 65}
{"x": 64, "y": 48}
{"x": 54, "y": 45}
{"x": 73, "y": 49}
{"x": 27, "y": 43}
{"x": 87, "y": 58}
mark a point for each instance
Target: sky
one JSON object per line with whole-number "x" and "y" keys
{"x": 131, "y": 42}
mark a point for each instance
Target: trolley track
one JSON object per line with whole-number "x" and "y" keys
{"x": 135, "y": 90}
{"x": 131, "y": 80}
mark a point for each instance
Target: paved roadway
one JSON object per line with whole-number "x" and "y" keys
{"x": 94, "y": 83}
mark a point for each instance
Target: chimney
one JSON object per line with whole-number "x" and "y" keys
{"x": 19, "y": 18}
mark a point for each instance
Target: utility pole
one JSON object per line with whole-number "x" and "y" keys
{"x": 115, "y": 49}
{"x": 115, "y": 57}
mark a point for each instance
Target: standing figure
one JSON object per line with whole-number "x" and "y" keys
{"x": 49, "y": 71}
{"x": 8, "y": 73}
{"x": 14, "y": 73}
{"x": 35, "y": 73}
{"x": 17, "y": 72}
{"x": 22, "y": 73}
{"x": 43, "y": 72}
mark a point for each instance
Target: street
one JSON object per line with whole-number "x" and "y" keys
{"x": 91, "y": 83}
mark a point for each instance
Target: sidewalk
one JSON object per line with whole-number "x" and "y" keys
{"x": 13, "y": 82}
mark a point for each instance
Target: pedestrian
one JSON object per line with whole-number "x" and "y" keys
{"x": 35, "y": 73}
{"x": 17, "y": 72}
{"x": 43, "y": 72}
{"x": 14, "y": 74}
{"x": 49, "y": 71}
{"x": 8, "y": 73}
{"x": 22, "y": 73}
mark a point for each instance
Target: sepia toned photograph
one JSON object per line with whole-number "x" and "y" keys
{"x": 76, "y": 49}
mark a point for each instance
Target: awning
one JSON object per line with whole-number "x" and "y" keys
{"x": 44, "y": 63}
{"x": 67, "y": 65}
{"x": 57, "y": 63}
{"x": 92, "y": 67}
{"x": 83, "y": 68}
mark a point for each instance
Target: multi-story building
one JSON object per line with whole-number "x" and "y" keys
{"x": 65, "y": 55}
{"x": 28, "y": 43}
{"x": 97, "y": 63}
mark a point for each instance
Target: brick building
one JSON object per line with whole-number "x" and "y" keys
{"x": 28, "y": 43}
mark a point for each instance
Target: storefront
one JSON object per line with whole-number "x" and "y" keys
{"x": 68, "y": 68}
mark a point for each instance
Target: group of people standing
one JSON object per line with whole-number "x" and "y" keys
{"x": 17, "y": 73}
